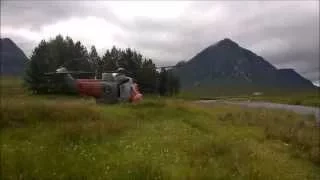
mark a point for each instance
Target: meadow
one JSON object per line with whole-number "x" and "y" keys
{"x": 59, "y": 137}
{"x": 306, "y": 97}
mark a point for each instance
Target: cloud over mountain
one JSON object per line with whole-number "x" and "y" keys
{"x": 286, "y": 33}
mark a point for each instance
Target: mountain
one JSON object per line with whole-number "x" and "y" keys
{"x": 228, "y": 64}
{"x": 12, "y": 58}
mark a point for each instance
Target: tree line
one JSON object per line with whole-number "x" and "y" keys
{"x": 60, "y": 51}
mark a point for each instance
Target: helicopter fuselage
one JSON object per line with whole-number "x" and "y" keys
{"x": 109, "y": 91}
{"x": 112, "y": 88}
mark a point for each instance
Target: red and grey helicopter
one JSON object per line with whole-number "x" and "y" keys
{"x": 112, "y": 88}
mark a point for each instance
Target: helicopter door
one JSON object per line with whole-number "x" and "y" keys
{"x": 125, "y": 90}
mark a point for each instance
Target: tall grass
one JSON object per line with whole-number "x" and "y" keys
{"x": 62, "y": 138}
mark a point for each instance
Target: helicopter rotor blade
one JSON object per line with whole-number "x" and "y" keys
{"x": 69, "y": 72}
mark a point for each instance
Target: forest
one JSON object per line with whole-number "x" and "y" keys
{"x": 64, "y": 52}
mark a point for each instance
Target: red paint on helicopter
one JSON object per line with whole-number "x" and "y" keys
{"x": 89, "y": 87}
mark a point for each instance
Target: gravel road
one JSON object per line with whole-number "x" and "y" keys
{"x": 255, "y": 104}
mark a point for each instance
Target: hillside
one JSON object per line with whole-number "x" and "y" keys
{"x": 12, "y": 58}
{"x": 228, "y": 64}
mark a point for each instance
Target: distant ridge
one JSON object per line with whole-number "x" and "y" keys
{"x": 227, "y": 63}
{"x": 12, "y": 58}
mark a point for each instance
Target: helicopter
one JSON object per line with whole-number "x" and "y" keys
{"x": 114, "y": 86}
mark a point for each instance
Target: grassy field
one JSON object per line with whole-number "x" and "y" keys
{"x": 50, "y": 137}
{"x": 297, "y": 97}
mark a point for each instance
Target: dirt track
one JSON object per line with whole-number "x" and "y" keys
{"x": 254, "y": 104}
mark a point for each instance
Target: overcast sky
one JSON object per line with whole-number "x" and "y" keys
{"x": 285, "y": 33}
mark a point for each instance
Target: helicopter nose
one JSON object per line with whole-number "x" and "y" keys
{"x": 136, "y": 95}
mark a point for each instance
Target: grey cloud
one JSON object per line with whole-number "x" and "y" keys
{"x": 35, "y": 14}
{"x": 301, "y": 44}
{"x": 295, "y": 25}
{"x": 297, "y": 29}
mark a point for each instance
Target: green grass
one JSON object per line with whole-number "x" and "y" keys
{"x": 306, "y": 99}
{"x": 51, "y": 137}
{"x": 296, "y": 97}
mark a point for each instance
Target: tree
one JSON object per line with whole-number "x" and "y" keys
{"x": 169, "y": 84}
{"x": 36, "y": 67}
{"x": 163, "y": 82}
{"x": 173, "y": 84}
{"x": 141, "y": 69}
{"x": 147, "y": 77}
{"x": 95, "y": 61}
{"x": 80, "y": 59}
{"x": 176, "y": 85}
{"x": 108, "y": 61}
{"x": 48, "y": 56}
